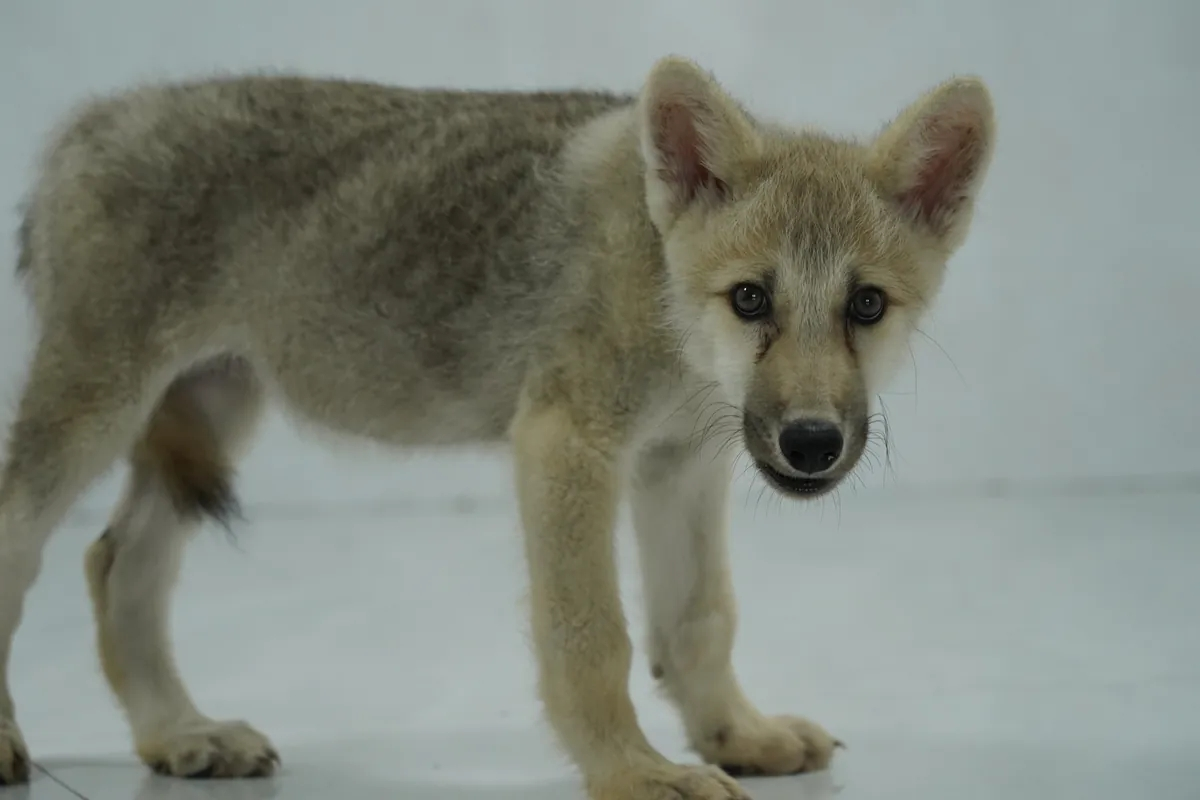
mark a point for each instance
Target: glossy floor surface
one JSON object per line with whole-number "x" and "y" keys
{"x": 974, "y": 648}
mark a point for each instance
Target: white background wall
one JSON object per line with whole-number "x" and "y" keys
{"x": 1069, "y": 323}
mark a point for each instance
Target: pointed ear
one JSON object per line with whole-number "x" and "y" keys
{"x": 693, "y": 138}
{"x": 931, "y": 161}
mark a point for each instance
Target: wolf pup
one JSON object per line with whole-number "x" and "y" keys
{"x": 628, "y": 289}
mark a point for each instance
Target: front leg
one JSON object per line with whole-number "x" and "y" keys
{"x": 680, "y": 515}
{"x": 567, "y": 483}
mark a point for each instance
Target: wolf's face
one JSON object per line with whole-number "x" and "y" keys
{"x": 798, "y": 264}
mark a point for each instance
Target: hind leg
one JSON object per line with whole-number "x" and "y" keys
{"x": 75, "y": 416}
{"x": 180, "y": 471}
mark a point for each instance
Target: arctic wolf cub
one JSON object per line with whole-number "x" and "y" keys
{"x": 626, "y": 288}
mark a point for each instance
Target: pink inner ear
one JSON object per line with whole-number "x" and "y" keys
{"x": 946, "y": 171}
{"x": 678, "y": 142}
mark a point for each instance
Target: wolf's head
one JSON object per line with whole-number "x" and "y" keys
{"x": 799, "y": 264}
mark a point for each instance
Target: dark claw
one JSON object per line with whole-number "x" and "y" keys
{"x": 204, "y": 773}
{"x": 20, "y": 775}
{"x": 263, "y": 767}
{"x": 20, "y": 769}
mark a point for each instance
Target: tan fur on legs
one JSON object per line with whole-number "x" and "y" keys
{"x": 179, "y": 471}
{"x": 69, "y": 427}
{"x": 568, "y": 482}
{"x": 97, "y": 563}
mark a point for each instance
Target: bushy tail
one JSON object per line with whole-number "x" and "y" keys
{"x": 180, "y": 446}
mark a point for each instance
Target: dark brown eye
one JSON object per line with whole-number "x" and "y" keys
{"x": 750, "y": 301}
{"x": 867, "y": 305}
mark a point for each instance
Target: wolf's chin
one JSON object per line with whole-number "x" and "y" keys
{"x": 805, "y": 488}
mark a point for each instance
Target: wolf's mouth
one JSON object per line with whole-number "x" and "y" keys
{"x": 800, "y": 487}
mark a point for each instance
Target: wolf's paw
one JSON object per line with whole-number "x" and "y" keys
{"x": 208, "y": 749}
{"x": 14, "y": 757}
{"x": 666, "y": 781}
{"x": 762, "y": 745}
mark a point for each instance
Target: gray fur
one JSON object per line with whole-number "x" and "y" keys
{"x": 409, "y": 225}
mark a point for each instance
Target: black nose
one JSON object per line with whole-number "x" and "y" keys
{"x": 811, "y": 447}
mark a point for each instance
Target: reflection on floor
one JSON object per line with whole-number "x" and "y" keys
{"x": 963, "y": 649}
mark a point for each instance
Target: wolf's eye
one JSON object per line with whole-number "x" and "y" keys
{"x": 867, "y": 305}
{"x": 749, "y": 301}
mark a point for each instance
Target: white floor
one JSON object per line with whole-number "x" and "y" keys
{"x": 1043, "y": 648}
